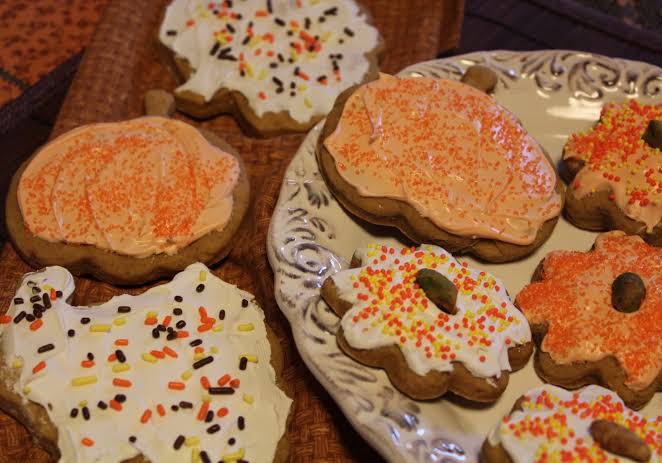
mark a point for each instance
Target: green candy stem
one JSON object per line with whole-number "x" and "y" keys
{"x": 439, "y": 289}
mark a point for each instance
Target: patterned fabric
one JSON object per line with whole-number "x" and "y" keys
{"x": 36, "y": 36}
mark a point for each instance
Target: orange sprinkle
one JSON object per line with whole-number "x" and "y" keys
{"x": 35, "y": 325}
{"x": 260, "y": 13}
{"x": 87, "y": 363}
{"x": 160, "y": 409}
{"x": 223, "y": 380}
{"x": 115, "y": 405}
{"x": 147, "y": 414}
{"x": 122, "y": 342}
{"x": 222, "y": 412}
{"x": 151, "y": 321}
{"x": 204, "y": 408}
{"x": 235, "y": 383}
{"x": 176, "y": 385}
{"x": 202, "y": 312}
{"x": 171, "y": 352}
{"x": 112, "y": 357}
{"x": 53, "y": 295}
{"x": 119, "y": 382}
{"x": 181, "y": 334}
{"x": 38, "y": 367}
{"x": 204, "y": 382}
{"x": 157, "y": 353}
{"x": 167, "y": 320}
{"x": 5, "y": 319}
{"x": 263, "y": 96}
{"x": 199, "y": 350}
{"x": 87, "y": 442}
{"x": 205, "y": 327}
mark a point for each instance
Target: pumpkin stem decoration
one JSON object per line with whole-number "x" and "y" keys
{"x": 619, "y": 440}
{"x": 627, "y": 292}
{"x": 653, "y": 134}
{"x": 439, "y": 289}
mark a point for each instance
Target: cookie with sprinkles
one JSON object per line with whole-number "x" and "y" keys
{"x": 444, "y": 163}
{"x": 434, "y": 325}
{"x": 276, "y": 65}
{"x": 128, "y": 202}
{"x": 186, "y": 371}
{"x": 614, "y": 172}
{"x": 550, "y": 424}
{"x": 596, "y": 317}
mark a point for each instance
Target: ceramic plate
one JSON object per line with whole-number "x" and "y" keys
{"x": 554, "y": 93}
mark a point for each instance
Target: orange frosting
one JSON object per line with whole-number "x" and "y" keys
{"x": 574, "y": 299}
{"x": 140, "y": 187}
{"x": 451, "y": 152}
{"x": 619, "y": 161}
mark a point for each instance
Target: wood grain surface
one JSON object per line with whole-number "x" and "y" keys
{"x": 118, "y": 67}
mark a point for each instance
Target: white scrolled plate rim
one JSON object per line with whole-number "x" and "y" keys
{"x": 554, "y": 93}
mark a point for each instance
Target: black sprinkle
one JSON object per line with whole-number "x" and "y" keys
{"x": 90, "y": 356}
{"x": 321, "y": 78}
{"x": 244, "y": 302}
{"x": 242, "y": 363}
{"x": 306, "y": 23}
{"x": 280, "y": 58}
{"x": 321, "y": 19}
{"x": 202, "y": 362}
{"x": 289, "y": 34}
{"x": 155, "y": 333}
{"x": 123, "y": 309}
{"x": 331, "y": 11}
{"x": 171, "y": 32}
{"x": 213, "y": 428}
{"x": 348, "y": 31}
{"x": 230, "y": 28}
{"x": 132, "y": 439}
{"x": 200, "y": 288}
{"x": 246, "y": 40}
{"x": 86, "y": 413}
{"x": 204, "y": 457}
{"x": 250, "y": 24}
{"x": 292, "y": 86}
{"x": 71, "y": 333}
{"x": 121, "y": 398}
{"x": 184, "y": 404}
{"x": 280, "y": 90}
{"x": 221, "y": 314}
{"x": 58, "y": 293}
{"x": 239, "y": 16}
{"x": 174, "y": 408}
{"x": 214, "y": 49}
{"x": 179, "y": 298}
{"x": 120, "y": 356}
{"x": 277, "y": 81}
{"x": 102, "y": 405}
{"x": 177, "y": 311}
{"x": 180, "y": 324}
{"x": 341, "y": 41}
{"x": 30, "y": 318}
{"x": 38, "y": 306}
{"x": 179, "y": 442}
{"x": 45, "y": 348}
{"x": 273, "y": 65}
{"x": 161, "y": 327}
{"x": 221, "y": 390}
{"x": 195, "y": 343}
{"x": 31, "y": 283}
{"x": 73, "y": 413}
{"x": 171, "y": 329}
{"x": 35, "y": 299}
{"x": 241, "y": 423}
{"x": 18, "y": 300}
{"x": 231, "y": 441}
{"x": 20, "y": 316}
{"x": 36, "y": 290}
{"x": 171, "y": 336}
{"x": 47, "y": 300}
{"x": 84, "y": 321}
{"x": 279, "y": 21}
{"x": 269, "y": 7}
{"x": 293, "y": 94}
{"x": 209, "y": 417}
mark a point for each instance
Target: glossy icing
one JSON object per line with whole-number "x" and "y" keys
{"x": 553, "y": 425}
{"x": 619, "y": 161}
{"x": 146, "y": 348}
{"x": 283, "y": 55}
{"x": 451, "y": 152}
{"x": 388, "y": 308}
{"x": 139, "y": 187}
{"x": 574, "y": 299}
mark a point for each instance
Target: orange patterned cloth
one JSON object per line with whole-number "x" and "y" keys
{"x": 36, "y": 36}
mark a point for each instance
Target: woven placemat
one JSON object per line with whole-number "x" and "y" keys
{"x": 119, "y": 66}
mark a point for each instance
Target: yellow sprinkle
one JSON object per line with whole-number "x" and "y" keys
{"x": 202, "y": 276}
{"x": 326, "y": 36}
{"x": 198, "y": 356}
{"x": 249, "y": 70}
{"x": 218, "y": 327}
{"x": 149, "y": 358}
{"x": 214, "y": 350}
{"x": 250, "y": 358}
{"x": 238, "y": 455}
{"x": 82, "y": 403}
{"x": 120, "y": 367}
{"x": 195, "y": 454}
{"x": 47, "y": 287}
{"x": 206, "y": 398}
{"x": 27, "y": 390}
{"x": 18, "y": 363}
{"x": 99, "y": 328}
{"x": 192, "y": 441}
{"x": 245, "y": 327}
{"x": 119, "y": 321}
{"x": 186, "y": 375}
{"x": 263, "y": 74}
{"x": 151, "y": 313}
{"x": 248, "y": 399}
{"x": 83, "y": 380}
{"x": 302, "y": 87}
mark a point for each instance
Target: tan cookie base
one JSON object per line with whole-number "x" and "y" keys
{"x": 399, "y": 214}
{"x": 597, "y": 212}
{"x": 35, "y": 418}
{"x": 232, "y": 102}
{"x": 121, "y": 269}
{"x": 435, "y": 383}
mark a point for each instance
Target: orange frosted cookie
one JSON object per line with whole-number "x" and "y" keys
{"x": 444, "y": 163}
{"x": 128, "y": 201}
{"x": 614, "y": 171}
{"x": 597, "y": 317}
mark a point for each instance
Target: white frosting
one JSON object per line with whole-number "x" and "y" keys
{"x": 482, "y": 305}
{"x": 192, "y": 30}
{"x": 257, "y": 398}
{"x": 576, "y": 434}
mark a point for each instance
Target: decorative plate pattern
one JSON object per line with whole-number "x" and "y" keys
{"x": 554, "y": 93}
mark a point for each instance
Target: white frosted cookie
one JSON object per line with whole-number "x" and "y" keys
{"x": 181, "y": 372}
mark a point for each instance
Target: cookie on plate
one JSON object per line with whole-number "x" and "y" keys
{"x": 596, "y": 317}
{"x": 182, "y": 372}
{"x": 614, "y": 172}
{"x": 128, "y": 202}
{"x": 550, "y": 424}
{"x": 433, "y": 324}
{"x": 277, "y": 66}
{"x": 443, "y": 162}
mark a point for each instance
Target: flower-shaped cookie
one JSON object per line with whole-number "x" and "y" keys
{"x": 597, "y": 317}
